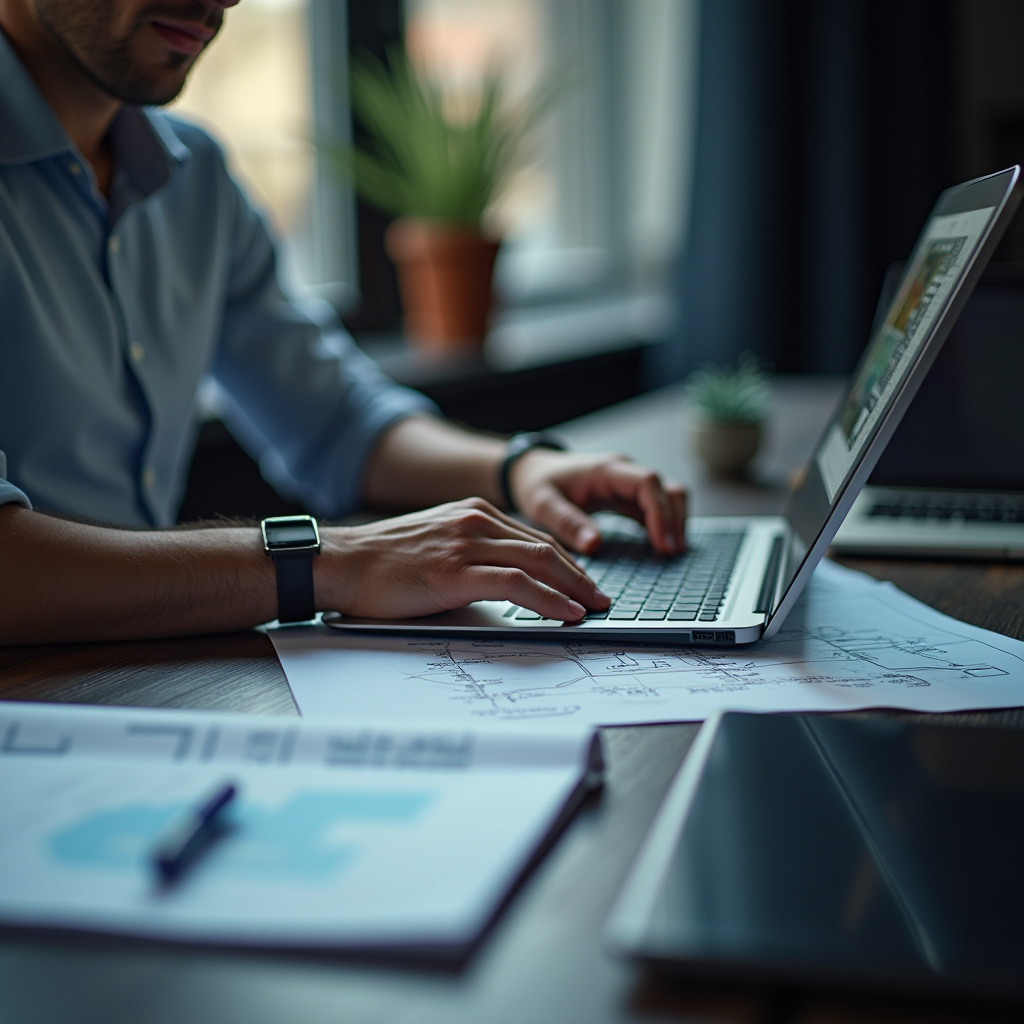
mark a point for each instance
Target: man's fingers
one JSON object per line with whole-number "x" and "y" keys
{"x": 644, "y": 488}
{"x": 490, "y": 538}
{"x": 491, "y": 583}
{"x": 664, "y": 505}
{"x": 557, "y": 491}
{"x": 567, "y": 521}
{"x": 661, "y": 504}
{"x": 677, "y": 505}
{"x": 652, "y": 499}
{"x": 504, "y": 525}
{"x": 543, "y": 563}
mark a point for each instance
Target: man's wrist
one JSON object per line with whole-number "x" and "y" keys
{"x": 293, "y": 542}
{"x": 518, "y": 446}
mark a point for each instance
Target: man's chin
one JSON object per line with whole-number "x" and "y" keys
{"x": 168, "y": 91}
{"x": 156, "y": 88}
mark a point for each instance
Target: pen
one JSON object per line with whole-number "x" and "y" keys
{"x": 183, "y": 843}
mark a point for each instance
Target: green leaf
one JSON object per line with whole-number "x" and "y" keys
{"x": 421, "y": 162}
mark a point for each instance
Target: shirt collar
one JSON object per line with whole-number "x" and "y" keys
{"x": 29, "y": 129}
{"x": 148, "y": 149}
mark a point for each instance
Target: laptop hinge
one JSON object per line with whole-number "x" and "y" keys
{"x": 771, "y": 574}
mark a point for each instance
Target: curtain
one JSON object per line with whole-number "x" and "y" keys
{"x": 824, "y": 135}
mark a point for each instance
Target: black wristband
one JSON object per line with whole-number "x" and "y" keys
{"x": 295, "y": 602}
{"x": 293, "y": 542}
{"x": 518, "y": 446}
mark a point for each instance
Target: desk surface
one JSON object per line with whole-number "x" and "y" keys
{"x": 543, "y": 961}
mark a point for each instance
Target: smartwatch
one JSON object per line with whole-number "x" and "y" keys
{"x": 292, "y": 541}
{"x": 518, "y": 446}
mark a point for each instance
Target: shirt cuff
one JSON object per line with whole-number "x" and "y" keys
{"x": 8, "y": 492}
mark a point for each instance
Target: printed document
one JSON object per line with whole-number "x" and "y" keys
{"x": 850, "y": 642}
{"x": 343, "y": 834}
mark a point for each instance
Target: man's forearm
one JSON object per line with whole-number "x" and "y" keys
{"x": 64, "y": 581}
{"x": 422, "y": 462}
{"x": 68, "y": 581}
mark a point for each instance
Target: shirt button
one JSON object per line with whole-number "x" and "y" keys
{"x": 137, "y": 352}
{"x": 75, "y": 168}
{"x": 149, "y": 478}
{"x": 114, "y": 244}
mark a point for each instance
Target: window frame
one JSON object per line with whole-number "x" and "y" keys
{"x": 591, "y": 160}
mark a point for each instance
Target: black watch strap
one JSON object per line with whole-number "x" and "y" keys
{"x": 518, "y": 446}
{"x": 295, "y": 601}
{"x": 293, "y": 542}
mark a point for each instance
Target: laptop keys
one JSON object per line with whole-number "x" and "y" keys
{"x": 679, "y": 615}
{"x": 647, "y": 587}
{"x": 991, "y": 508}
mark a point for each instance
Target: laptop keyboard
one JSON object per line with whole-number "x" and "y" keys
{"x": 989, "y": 508}
{"x": 648, "y": 587}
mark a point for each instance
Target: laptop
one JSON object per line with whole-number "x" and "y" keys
{"x": 741, "y": 576}
{"x": 950, "y": 483}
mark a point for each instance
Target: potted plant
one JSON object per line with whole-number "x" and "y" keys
{"x": 731, "y": 405}
{"x": 438, "y": 173}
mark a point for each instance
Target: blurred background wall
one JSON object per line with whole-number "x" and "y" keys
{"x": 824, "y": 133}
{"x": 758, "y": 163}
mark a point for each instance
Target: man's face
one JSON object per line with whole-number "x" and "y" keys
{"x": 138, "y": 52}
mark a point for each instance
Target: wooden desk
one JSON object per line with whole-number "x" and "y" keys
{"x": 543, "y": 961}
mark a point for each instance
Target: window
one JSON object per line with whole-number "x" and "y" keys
{"x": 605, "y": 198}
{"x": 255, "y": 92}
{"x": 601, "y": 205}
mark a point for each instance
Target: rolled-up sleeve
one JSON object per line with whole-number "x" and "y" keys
{"x": 8, "y": 492}
{"x": 296, "y": 391}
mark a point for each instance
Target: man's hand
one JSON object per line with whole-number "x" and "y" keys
{"x": 446, "y": 557}
{"x": 557, "y": 489}
{"x": 422, "y": 461}
{"x": 73, "y": 581}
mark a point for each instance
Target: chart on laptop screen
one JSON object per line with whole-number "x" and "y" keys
{"x": 946, "y": 247}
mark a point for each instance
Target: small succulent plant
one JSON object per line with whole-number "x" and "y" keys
{"x": 724, "y": 394}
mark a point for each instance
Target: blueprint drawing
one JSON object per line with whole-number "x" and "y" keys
{"x": 850, "y": 643}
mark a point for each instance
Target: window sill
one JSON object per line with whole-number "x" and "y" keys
{"x": 527, "y": 339}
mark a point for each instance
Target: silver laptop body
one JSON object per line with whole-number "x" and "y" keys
{"x": 930, "y": 523}
{"x": 768, "y": 560}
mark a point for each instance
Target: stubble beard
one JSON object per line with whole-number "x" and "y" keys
{"x": 87, "y": 33}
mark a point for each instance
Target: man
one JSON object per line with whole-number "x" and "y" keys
{"x": 131, "y": 265}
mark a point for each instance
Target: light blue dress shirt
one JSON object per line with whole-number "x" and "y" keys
{"x": 112, "y": 314}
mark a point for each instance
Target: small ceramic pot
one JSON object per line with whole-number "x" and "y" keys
{"x": 445, "y": 274}
{"x": 726, "y": 448}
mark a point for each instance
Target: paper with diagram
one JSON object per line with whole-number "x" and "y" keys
{"x": 344, "y": 834}
{"x": 851, "y": 642}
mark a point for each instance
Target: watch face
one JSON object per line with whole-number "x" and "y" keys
{"x": 290, "y": 533}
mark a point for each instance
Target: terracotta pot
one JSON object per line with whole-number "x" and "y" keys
{"x": 726, "y": 448}
{"x": 445, "y": 273}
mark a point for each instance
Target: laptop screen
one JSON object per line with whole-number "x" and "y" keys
{"x": 937, "y": 267}
{"x": 956, "y": 243}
